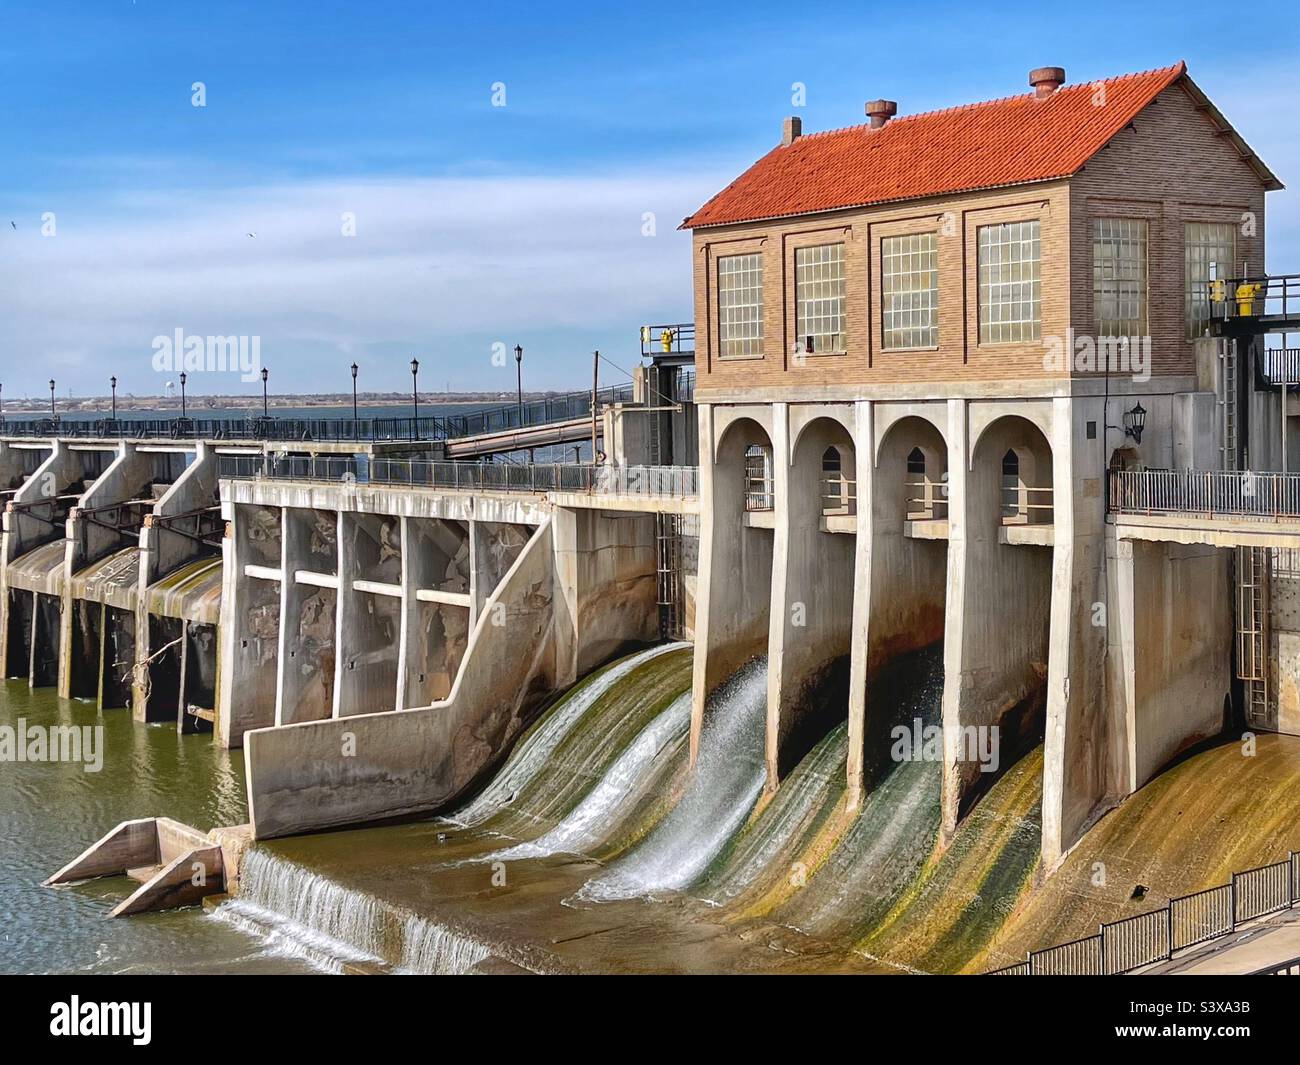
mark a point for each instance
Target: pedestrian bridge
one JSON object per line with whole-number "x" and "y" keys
{"x": 1219, "y": 508}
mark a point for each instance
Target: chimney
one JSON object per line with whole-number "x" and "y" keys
{"x": 881, "y": 111}
{"x": 791, "y": 130}
{"x": 1046, "y": 80}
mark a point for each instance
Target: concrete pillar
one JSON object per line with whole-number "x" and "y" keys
{"x": 1082, "y": 750}
{"x": 22, "y": 531}
{"x": 777, "y": 614}
{"x": 864, "y": 434}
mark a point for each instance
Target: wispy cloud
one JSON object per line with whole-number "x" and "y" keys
{"x": 440, "y": 265}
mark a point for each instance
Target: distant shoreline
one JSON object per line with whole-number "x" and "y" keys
{"x": 195, "y": 405}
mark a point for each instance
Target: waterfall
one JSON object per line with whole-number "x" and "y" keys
{"x": 599, "y": 813}
{"x": 430, "y": 949}
{"x": 728, "y": 778}
{"x": 540, "y": 744}
{"x": 302, "y": 914}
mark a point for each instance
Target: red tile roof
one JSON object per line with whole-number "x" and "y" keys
{"x": 978, "y": 146}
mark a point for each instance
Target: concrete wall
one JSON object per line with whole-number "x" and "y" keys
{"x": 1171, "y": 630}
{"x": 250, "y": 624}
{"x": 308, "y": 611}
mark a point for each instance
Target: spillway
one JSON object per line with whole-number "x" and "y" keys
{"x": 726, "y": 783}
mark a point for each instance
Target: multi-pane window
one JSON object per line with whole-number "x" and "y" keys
{"x": 819, "y": 298}
{"x": 909, "y": 269}
{"x": 1206, "y": 245}
{"x": 1119, "y": 276}
{"x": 1010, "y": 290}
{"x": 740, "y": 305}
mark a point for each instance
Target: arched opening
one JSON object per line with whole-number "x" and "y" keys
{"x": 1002, "y": 622}
{"x": 737, "y": 532}
{"x": 817, "y": 615}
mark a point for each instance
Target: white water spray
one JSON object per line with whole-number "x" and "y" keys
{"x": 533, "y": 753}
{"x": 727, "y": 780}
{"x": 602, "y": 809}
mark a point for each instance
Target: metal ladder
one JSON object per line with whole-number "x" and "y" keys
{"x": 1228, "y": 418}
{"x": 1252, "y": 633}
{"x": 668, "y": 555}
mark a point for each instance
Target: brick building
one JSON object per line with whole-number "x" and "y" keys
{"x": 921, "y": 343}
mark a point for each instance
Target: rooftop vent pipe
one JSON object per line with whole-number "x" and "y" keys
{"x": 881, "y": 111}
{"x": 1046, "y": 80}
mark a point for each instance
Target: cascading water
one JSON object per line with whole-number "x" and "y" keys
{"x": 590, "y": 822}
{"x": 528, "y": 759}
{"x": 727, "y": 780}
{"x": 305, "y": 915}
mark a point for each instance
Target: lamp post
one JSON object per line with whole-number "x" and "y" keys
{"x": 265, "y": 374}
{"x": 112, "y": 384}
{"x": 2, "y": 404}
{"x": 519, "y": 381}
{"x": 53, "y": 413}
{"x": 415, "y": 395}
{"x": 354, "y": 391}
{"x": 182, "y": 394}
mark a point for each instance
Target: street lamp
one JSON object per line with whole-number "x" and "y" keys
{"x": 53, "y": 413}
{"x": 265, "y": 374}
{"x": 1135, "y": 421}
{"x": 354, "y": 391}
{"x": 2, "y": 404}
{"x": 415, "y": 393}
{"x": 182, "y": 393}
{"x": 519, "y": 380}
{"x": 112, "y": 383}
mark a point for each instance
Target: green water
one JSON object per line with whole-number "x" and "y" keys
{"x": 50, "y": 811}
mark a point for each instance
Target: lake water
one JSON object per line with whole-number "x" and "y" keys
{"x": 49, "y": 812}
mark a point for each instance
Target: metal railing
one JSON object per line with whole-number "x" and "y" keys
{"x": 566, "y": 406}
{"x": 839, "y": 495}
{"x": 1157, "y": 935}
{"x": 1205, "y": 493}
{"x": 1282, "y": 366}
{"x": 930, "y": 502}
{"x": 759, "y": 493}
{"x": 655, "y": 481}
{"x": 676, "y": 339}
{"x": 1026, "y": 505}
{"x": 1255, "y": 297}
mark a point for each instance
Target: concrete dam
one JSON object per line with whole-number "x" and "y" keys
{"x": 930, "y": 603}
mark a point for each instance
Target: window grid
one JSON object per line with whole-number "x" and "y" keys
{"x": 909, "y": 291}
{"x": 1010, "y": 289}
{"x": 1205, "y": 243}
{"x": 819, "y": 298}
{"x": 1119, "y": 276}
{"x": 740, "y": 305}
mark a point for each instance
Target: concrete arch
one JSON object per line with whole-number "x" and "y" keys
{"x": 803, "y": 418}
{"x": 807, "y": 465}
{"x": 984, "y": 417}
{"x": 889, "y": 416}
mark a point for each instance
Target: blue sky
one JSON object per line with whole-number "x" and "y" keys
{"x": 475, "y": 225}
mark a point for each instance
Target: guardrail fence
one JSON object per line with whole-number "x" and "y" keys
{"x": 658, "y": 481}
{"x": 1206, "y": 493}
{"x": 1145, "y": 938}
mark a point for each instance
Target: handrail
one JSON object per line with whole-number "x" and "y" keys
{"x": 1157, "y": 935}
{"x": 656, "y": 481}
{"x": 1205, "y": 493}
